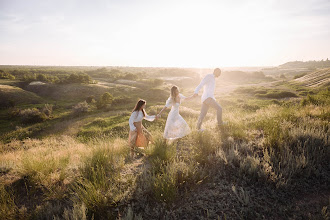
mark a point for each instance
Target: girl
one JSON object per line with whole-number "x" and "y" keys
{"x": 176, "y": 126}
{"x": 138, "y": 135}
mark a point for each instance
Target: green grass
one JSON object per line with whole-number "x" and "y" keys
{"x": 109, "y": 127}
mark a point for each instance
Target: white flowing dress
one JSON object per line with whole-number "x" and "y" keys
{"x": 176, "y": 126}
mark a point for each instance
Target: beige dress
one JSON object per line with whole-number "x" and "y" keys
{"x": 139, "y": 140}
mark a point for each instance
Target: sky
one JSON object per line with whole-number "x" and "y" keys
{"x": 163, "y": 33}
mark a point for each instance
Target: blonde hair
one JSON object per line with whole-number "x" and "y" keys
{"x": 173, "y": 92}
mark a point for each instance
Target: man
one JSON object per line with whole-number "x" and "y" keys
{"x": 208, "y": 99}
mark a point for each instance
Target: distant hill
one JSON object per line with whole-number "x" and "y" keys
{"x": 316, "y": 78}
{"x": 307, "y": 64}
{"x": 76, "y": 91}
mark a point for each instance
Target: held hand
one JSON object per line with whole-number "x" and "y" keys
{"x": 194, "y": 95}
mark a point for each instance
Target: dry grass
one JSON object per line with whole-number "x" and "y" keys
{"x": 259, "y": 158}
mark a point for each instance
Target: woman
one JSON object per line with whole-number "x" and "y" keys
{"x": 176, "y": 126}
{"x": 138, "y": 135}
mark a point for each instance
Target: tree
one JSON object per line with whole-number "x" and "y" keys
{"x": 42, "y": 78}
{"x": 105, "y": 100}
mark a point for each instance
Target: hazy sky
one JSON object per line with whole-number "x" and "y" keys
{"x": 179, "y": 33}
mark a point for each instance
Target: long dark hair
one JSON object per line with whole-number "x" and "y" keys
{"x": 139, "y": 105}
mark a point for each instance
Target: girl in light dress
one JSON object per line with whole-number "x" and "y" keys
{"x": 138, "y": 134}
{"x": 176, "y": 127}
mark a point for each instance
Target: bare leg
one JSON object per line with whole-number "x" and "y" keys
{"x": 202, "y": 115}
{"x": 147, "y": 135}
{"x": 131, "y": 141}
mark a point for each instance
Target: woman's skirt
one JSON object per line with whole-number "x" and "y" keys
{"x": 141, "y": 140}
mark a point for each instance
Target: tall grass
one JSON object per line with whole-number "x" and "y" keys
{"x": 8, "y": 207}
{"x": 98, "y": 187}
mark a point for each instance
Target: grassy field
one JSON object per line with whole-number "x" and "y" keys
{"x": 68, "y": 161}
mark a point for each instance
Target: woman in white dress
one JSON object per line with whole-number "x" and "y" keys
{"x": 138, "y": 134}
{"x": 176, "y": 127}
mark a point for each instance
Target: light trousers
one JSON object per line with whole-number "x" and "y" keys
{"x": 209, "y": 102}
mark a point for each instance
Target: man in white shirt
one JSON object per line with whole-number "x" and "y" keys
{"x": 208, "y": 99}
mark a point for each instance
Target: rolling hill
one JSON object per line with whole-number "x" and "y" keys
{"x": 318, "y": 78}
{"x": 17, "y": 95}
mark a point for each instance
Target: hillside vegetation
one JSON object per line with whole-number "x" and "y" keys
{"x": 68, "y": 157}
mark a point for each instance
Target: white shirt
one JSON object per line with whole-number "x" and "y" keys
{"x": 137, "y": 116}
{"x": 209, "y": 82}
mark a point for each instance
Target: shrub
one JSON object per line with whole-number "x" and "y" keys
{"x": 47, "y": 110}
{"x": 4, "y": 75}
{"x": 130, "y": 76}
{"x": 77, "y": 78}
{"x": 32, "y": 115}
{"x": 105, "y": 100}
{"x": 299, "y": 75}
{"x": 42, "y": 78}
{"x": 90, "y": 99}
{"x": 320, "y": 98}
{"x": 80, "y": 108}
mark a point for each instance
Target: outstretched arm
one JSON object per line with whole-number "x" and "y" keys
{"x": 200, "y": 86}
{"x": 190, "y": 97}
{"x": 150, "y": 117}
{"x": 159, "y": 114}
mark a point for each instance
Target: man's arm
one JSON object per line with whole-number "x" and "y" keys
{"x": 203, "y": 82}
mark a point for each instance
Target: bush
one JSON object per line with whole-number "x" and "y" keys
{"x": 90, "y": 99}
{"x": 105, "y": 100}
{"x": 77, "y": 78}
{"x": 80, "y": 108}
{"x": 320, "y": 98}
{"x": 299, "y": 75}
{"x": 4, "y": 75}
{"x": 47, "y": 110}
{"x": 32, "y": 115}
